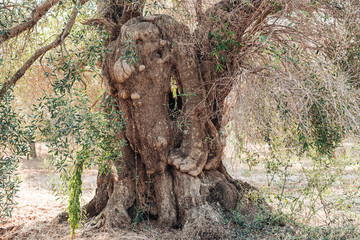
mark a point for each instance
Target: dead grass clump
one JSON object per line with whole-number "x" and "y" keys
{"x": 204, "y": 223}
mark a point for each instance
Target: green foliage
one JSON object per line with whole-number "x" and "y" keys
{"x": 12, "y": 14}
{"x": 69, "y": 66}
{"x": 14, "y": 143}
{"x": 75, "y": 188}
{"x": 277, "y": 224}
{"x": 303, "y": 115}
{"x": 309, "y": 187}
{"x": 295, "y": 120}
{"x": 79, "y": 138}
{"x": 224, "y": 41}
{"x": 326, "y": 137}
{"x": 267, "y": 225}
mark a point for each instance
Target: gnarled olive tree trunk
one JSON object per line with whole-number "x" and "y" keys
{"x": 171, "y": 169}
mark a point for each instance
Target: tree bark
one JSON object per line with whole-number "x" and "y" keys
{"x": 33, "y": 150}
{"x": 171, "y": 169}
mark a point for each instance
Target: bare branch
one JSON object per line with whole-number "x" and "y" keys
{"x": 131, "y": 9}
{"x": 36, "y": 15}
{"x": 199, "y": 10}
{"x": 101, "y": 22}
{"x": 119, "y": 12}
{"x": 40, "y": 52}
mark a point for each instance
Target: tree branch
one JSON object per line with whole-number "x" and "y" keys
{"x": 36, "y": 15}
{"x": 131, "y": 9}
{"x": 101, "y": 22}
{"x": 199, "y": 10}
{"x": 59, "y": 39}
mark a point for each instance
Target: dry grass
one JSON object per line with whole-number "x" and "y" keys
{"x": 339, "y": 196}
{"x": 34, "y": 217}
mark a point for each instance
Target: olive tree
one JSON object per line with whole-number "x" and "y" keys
{"x": 173, "y": 82}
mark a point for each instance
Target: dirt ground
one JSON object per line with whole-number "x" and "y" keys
{"x": 36, "y": 198}
{"x": 34, "y": 216}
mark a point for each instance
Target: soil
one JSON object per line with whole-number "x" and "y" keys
{"x": 35, "y": 215}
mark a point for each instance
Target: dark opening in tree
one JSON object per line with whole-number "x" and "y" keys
{"x": 175, "y": 105}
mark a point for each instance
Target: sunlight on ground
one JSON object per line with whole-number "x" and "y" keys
{"x": 339, "y": 200}
{"x": 37, "y": 202}
{"x": 36, "y": 199}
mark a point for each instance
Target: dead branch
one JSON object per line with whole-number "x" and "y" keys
{"x": 101, "y": 22}
{"x": 199, "y": 10}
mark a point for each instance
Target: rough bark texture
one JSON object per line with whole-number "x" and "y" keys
{"x": 171, "y": 169}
